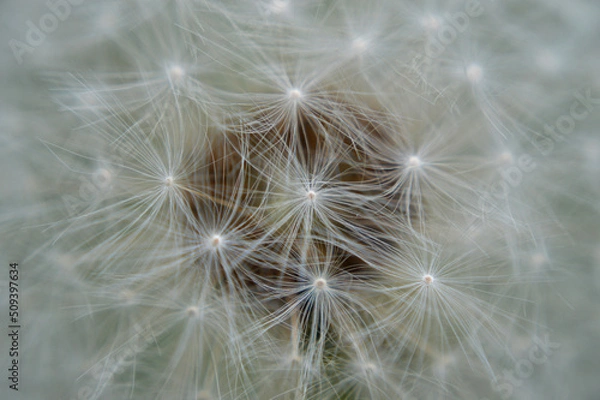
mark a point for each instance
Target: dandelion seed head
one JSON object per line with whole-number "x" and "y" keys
{"x": 369, "y": 368}
{"x": 169, "y": 181}
{"x": 265, "y": 189}
{"x": 428, "y": 279}
{"x": 192, "y": 311}
{"x": 414, "y": 162}
{"x": 216, "y": 241}
{"x": 176, "y": 73}
{"x": 295, "y": 94}
{"x": 360, "y": 45}
{"x": 505, "y": 158}
{"x": 474, "y": 73}
{"x": 102, "y": 178}
{"x": 320, "y": 284}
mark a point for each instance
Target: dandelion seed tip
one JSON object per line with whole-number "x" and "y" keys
{"x": 474, "y": 73}
{"x": 369, "y": 367}
{"x": 176, "y": 73}
{"x": 414, "y": 162}
{"x": 169, "y": 181}
{"x": 359, "y": 45}
{"x": 320, "y": 283}
{"x": 295, "y": 94}
{"x": 428, "y": 279}
{"x": 216, "y": 241}
{"x": 192, "y": 311}
{"x": 311, "y": 195}
{"x": 102, "y": 177}
{"x": 506, "y": 157}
